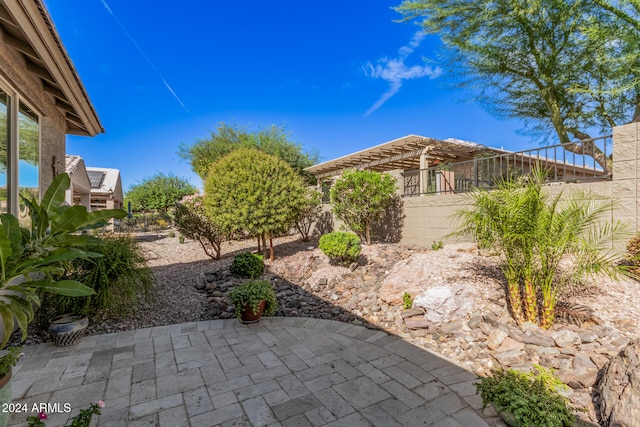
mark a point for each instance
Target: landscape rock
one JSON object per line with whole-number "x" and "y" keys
{"x": 618, "y": 390}
{"x": 496, "y": 338}
{"x": 442, "y": 303}
{"x": 408, "y": 275}
{"x": 417, "y": 322}
{"x": 538, "y": 339}
{"x": 566, "y": 338}
{"x": 511, "y": 357}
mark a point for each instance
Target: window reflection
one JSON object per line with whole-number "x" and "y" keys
{"x": 28, "y": 160}
{"x": 4, "y": 142}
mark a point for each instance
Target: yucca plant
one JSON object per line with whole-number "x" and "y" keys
{"x": 32, "y": 258}
{"x": 534, "y": 232}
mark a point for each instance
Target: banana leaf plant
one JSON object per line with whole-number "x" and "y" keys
{"x": 32, "y": 259}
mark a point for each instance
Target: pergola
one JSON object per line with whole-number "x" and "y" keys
{"x": 406, "y": 153}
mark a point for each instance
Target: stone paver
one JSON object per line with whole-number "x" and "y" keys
{"x": 279, "y": 372}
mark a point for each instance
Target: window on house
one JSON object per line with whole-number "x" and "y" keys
{"x": 4, "y": 143}
{"x": 19, "y": 154}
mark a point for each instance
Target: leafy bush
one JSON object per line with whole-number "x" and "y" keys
{"x": 360, "y": 198}
{"x": 251, "y": 293}
{"x": 192, "y": 221}
{"x": 118, "y": 277}
{"x": 531, "y": 397}
{"x": 247, "y": 265}
{"x": 436, "y": 246}
{"x": 308, "y": 213}
{"x": 341, "y": 247}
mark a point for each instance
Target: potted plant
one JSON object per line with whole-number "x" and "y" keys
{"x": 7, "y": 362}
{"x": 252, "y": 299}
{"x": 527, "y": 398}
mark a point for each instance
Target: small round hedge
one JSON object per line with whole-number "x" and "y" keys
{"x": 341, "y": 247}
{"x": 247, "y": 265}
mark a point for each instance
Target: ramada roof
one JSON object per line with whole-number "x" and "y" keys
{"x": 402, "y": 153}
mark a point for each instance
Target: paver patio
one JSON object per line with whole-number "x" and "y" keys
{"x": 279, "y": 372}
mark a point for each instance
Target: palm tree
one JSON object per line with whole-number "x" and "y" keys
{"x": 533, "y": 232}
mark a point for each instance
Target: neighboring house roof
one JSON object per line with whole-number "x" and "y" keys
{"x": 28, "y": 28}
{"x": 77, "y": 171}
{"x": 401, "y": 153}
{"x": 106, "y": 181}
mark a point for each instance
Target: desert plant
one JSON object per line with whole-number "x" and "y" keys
{"x": 181, "y": 239}
{"x": 247, "y": 265}
{"x": 308, "y": 213}
{"x": 251, "y": 293}
{"x": 171, "y": 234}
{"x": 360, "y": 198}
{"x": 193, "y": 221}
{"x": 531, "y": 398}
{"x": 436, "y": 246}
{"x": 534, "y": 232}
{"x": 633, "y": 255}
{"x": 407, "y": 302}
{"x": 119, "y": 277}
{"x": 32, "y": 260}
{"x": 341, "y": 247}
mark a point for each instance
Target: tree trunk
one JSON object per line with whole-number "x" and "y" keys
{"x": 265, "y": 252}
{"x": 271, "y": 254}
{"x": 367, "y": 231}
{"x": 258, "y": 244}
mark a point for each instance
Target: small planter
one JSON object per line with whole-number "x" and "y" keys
{"x": 248, "y": 316}
{"x": 67, "y": 329}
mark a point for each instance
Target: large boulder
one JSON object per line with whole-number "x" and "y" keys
{"x": 410, "y": 275}
{"x": 619, "y": 389}
{"x": 445, "y": 303}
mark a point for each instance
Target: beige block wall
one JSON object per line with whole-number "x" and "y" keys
{"x": 13, "y": 69}
{"x": 432, "y": 218}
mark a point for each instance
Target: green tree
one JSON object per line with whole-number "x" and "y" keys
{"x": 308, "y": 213}
{"x": 275, "y": 140}
{"x": 534, "y": 232}
{"x": 565, "y": 67}
{"x": 253, "y": 192}
{"x": 192, "y": 221}
{"x": 160, "y": 192}
{"x": 360, "y": 198}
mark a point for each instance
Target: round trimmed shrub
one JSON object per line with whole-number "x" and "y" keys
{"x": 247, "y": 265}
{"x": 341, "y": 247}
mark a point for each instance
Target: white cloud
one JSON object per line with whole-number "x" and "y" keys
{"x": 395, "y": 71}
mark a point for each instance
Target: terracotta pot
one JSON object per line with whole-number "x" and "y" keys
{"x": 249, "y": 317}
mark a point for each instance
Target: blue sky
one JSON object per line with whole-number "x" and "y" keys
{"x": 341, "y": 75}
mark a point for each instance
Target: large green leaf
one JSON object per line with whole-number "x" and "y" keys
{"x": 54, "y": 196}
{"x": 7, "y": 320}
{"x": 105, "y": 215}
{"x": 70, "y": 220}
{"x": 66, "y": 254}
{"x": 70, "y": 288}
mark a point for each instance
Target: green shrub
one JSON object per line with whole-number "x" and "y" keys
{"x": 341, "y": 247}
{"x": 171, "y": 234}
{"x": 531, "y": 397}
{"x": 247, "y": 265}
{"x": 118, "y": 277}
{"x": 407, "y": 303}
{"x": 436, "y": 246}
{"x": 181, "y": 239}
{"x": 251, "y": 293}
{"x": 192, "y": 221}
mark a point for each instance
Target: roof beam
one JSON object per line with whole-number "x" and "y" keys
{"x": 6, "y": 18}
{"x": 40, "y": 72}
{"x": 54, "y": 91}
{"x": 21, "y": 46}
